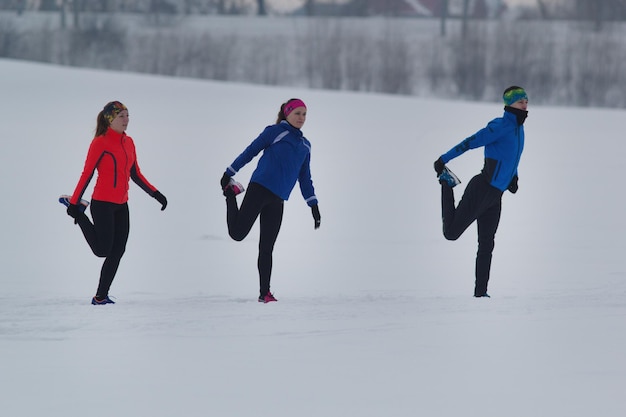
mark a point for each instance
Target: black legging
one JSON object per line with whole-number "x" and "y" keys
{"x": 480, "y": 202}
{"x": 107, "y": 237}
{"x": 257, "y": 202}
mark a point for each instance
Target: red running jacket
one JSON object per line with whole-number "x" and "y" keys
{"x": 113, "y": 155}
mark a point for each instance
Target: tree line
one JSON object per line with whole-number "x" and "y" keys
{"x": 562, "y": 63}
{"x": 597, "y": 11}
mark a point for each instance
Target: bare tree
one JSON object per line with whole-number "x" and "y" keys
{"x": 358, "y": 59}
{"x": 323, "y": 59}
{"x": 469, "y": 67}
{"x": 598, "y": 11}
{"x": 63, "y": 14}
{"x": 444, "y": 16}
{"x": 396, "y": 68}
{"x": 465, "y": 17}
{"x": 358, "y": 7}
{"x": 543, "y": 9}
{"x": 78, "y": 7}
{"x": 590, "y": 10}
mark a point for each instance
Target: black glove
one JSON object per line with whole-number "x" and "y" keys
{"x": 161, "y": 199}
{"x": 316, "y": 215}
{"x": 513, "y": 185}
{"x": 225, "y": 180}
{"x": 439, "y": 166}
{"x": 74, "y": 211}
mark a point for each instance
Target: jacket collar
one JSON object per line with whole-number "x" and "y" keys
{"x": 518, "y": 115}
{"x": 113, "y": 134}
{"x": 291, "y": 128}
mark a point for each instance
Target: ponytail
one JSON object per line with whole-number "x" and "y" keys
{"x": 281, "y": 113}
{"x": 102, "y": 124}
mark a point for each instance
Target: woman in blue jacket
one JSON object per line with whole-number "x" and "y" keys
{"x": 503, "y": 140}
{"x": 285, "y": 160}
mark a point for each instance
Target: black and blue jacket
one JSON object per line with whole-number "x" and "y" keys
{"x": 503, "y": 139}
{"x": 286, "y": 159}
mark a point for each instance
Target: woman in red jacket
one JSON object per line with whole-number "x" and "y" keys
{"x": 112, "y": 154}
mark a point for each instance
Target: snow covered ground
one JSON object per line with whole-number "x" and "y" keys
{"x": 376, "y": 315}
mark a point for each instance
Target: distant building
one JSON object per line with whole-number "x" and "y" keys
{"x": 407, "y": 8}
{"x": 403, "y": 8}
{"x": 477, "y": 8}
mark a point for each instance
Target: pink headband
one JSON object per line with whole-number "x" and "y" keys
{"x": 292, "y": 105}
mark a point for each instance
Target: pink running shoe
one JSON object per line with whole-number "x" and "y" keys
{"x": 233, "y": 188}
{"x": 267, "y": 298}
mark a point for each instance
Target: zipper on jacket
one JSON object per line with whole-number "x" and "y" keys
{"x": 519, "y": 151}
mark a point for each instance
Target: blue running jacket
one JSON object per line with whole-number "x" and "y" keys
{"x": 503, "y": 139}
{"x": 286, "y": 159}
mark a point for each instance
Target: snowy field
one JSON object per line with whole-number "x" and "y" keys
{"x": 376, "y": 315}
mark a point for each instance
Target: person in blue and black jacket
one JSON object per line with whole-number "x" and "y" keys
{"x": 503, "y": 140}
{"x": 286, "y": 159}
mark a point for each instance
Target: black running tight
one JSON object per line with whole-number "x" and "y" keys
{"x": 107, "y": 237}
{"x": 481, "y": 203}
{"x": 257, "y": 202}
